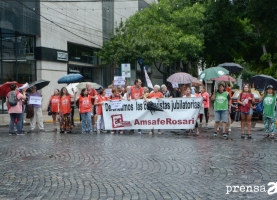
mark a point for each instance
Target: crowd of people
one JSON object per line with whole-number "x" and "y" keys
{"x": 89, "y": 102}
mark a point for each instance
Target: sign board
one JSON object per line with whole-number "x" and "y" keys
{"x": 126, "y": 70}
{"x": 116, "y": 104}
{"x": 62, "y": 56}
{"x": 119, "y": 80}
{"x": 108, "y": 92}
{"x": 175, "y": 85}
{"x": 35, "y": 100}
{"x": 178, "y": 113}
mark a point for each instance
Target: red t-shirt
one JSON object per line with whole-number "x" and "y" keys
{"x": 92, "y": 93}
{"x": 136, "y": 93}
{"x": 85, "y": 104}
{"x": 155, "y": 95}
{"x": 115, "y": 97}
{"x": 99, "y": 107}
{"x": 244, "y": 97}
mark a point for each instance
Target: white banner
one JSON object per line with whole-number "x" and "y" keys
{"x": 148, "y": 81}
{"x": 126, "y": 70}
{"x": 108, "y": 92}
{"x": 116, "y": 104}
{"x": 178, "y": 113}
{"x": 119, "y": 80}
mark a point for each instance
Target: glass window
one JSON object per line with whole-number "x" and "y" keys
{"x": 9, "y": 71}
{"x": 26, "y": 71}
{"x": 25, "y": 47}
{"x": 82, "y": 54}
{"x": 8, "y": 45}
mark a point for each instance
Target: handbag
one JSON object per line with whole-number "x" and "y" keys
{"x": 260, "y": 107}
{"x": 49, "y": 110}
{"x": 29, "y": 111}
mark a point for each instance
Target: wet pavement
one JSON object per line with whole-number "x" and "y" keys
{"x": 103, "y": 166}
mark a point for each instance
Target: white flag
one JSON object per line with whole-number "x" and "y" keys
{"x": 149, "y": 83}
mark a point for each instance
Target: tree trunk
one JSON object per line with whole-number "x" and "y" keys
{"x": 264, "y": 48}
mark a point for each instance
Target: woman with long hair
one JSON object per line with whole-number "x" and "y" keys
{"x": 65, "y": 111}
{"x": 246, "y": 99}
{"x": 269, "y": 112}
{"x": 54, "y": 107}
{"x": 222, "y": 108}
{"x": 101, "y": 97}
{"x": 206, "y": 103}
{"x": 85, "y": 109}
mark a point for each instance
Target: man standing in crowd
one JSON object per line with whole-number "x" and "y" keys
{"x": 37, "y": 118}
{"x": 92, "y": 92}
{"x": 136, "y": 92}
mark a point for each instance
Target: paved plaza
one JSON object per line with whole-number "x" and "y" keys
{"x": 103, "y": 166}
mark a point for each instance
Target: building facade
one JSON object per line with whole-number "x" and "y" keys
{"x": 46, "y": 40}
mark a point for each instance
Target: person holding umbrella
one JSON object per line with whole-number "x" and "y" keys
{"x": 269, "y": 111}
{"x": 37, "y": 118}
{"x": 222, "y": 108}
{"x": 15, "y": 106}
{"x": 229, "y": 90}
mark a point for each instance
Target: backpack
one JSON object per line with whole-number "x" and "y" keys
{"x": 12, "y": 99}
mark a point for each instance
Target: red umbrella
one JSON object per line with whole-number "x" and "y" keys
{"x": 5, "y": 88}
{"x": 224, "y": 78}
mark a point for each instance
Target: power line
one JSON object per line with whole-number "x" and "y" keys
{"x": 58, "y": 24}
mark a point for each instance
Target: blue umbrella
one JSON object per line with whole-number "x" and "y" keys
{"x": 71, "y": 78}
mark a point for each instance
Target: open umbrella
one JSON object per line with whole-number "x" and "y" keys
{"x": 261, "y": 81}
{"x": 83, "y": 85}
{"x": 70, "y": 78}
{"x": 233, "y": 68}
{"x": 39, "y": 84}
{"x": 73, "y": 85}
{"x": 213, "y": 72}
{"x": 5, "y": 88}
{"x": 224, "y": 78}
{"x": 180, "y": 78}
{"x": 196, "y": 82}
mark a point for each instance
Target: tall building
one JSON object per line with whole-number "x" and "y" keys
{"x": 49, "y": 39}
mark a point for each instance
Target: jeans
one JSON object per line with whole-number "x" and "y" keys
{"x": 221, "y": 115}
{"x": 18, "y": 125}
{"x": 22, "y": 117}
{"x": 86, "y": 120}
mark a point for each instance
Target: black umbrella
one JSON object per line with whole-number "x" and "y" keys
{"x": 39, "y": 84}
{"x": 233, "y": 68}
{"x": 153, "y": 107}
{"x": 261, "y": 81}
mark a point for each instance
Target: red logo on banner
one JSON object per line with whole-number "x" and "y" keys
{"x": 117, "y": 121}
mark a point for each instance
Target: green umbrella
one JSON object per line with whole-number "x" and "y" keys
{"x": 213, "y": 72}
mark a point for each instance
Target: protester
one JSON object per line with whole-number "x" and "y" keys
{"x": 15, "y": 106}
{"x": 120, "y": 90}
{"x": 229, "y": 90}
{"x": 176, "y": 92}
{"x": 146, "y": 91}
{"x": 85, "y": 109}
{"x": 65, "y": 111}
{"x": 222, "y": 108}
{"x": 24, "y": 101}
{"x": 189, "y": 95}
{"x": 128, "y": 88}
{"x": 99, "y": 100}
{"x": 116, "y": 96}
{"x": 93, "y": 93}
{"x": 136, "y": 92}
{"x": 206, "y": 104}
{"x": 37, "y": 111}
{"x": 156, "y": 94}
{"x": 54, "y": 107}
{"x": 165, "y": 91}
{"x": 269, "y": 111}
{"x": 246, "y": 99}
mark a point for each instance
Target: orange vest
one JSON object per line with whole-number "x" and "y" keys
{"x": 65, "y": 104}
{"x": 55, "y": 100}
{"x": 155, "y": 95}
{"x": 99, "y": 107}
{"x": 136, "y": 92}
{"x": 85, "y": 104}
